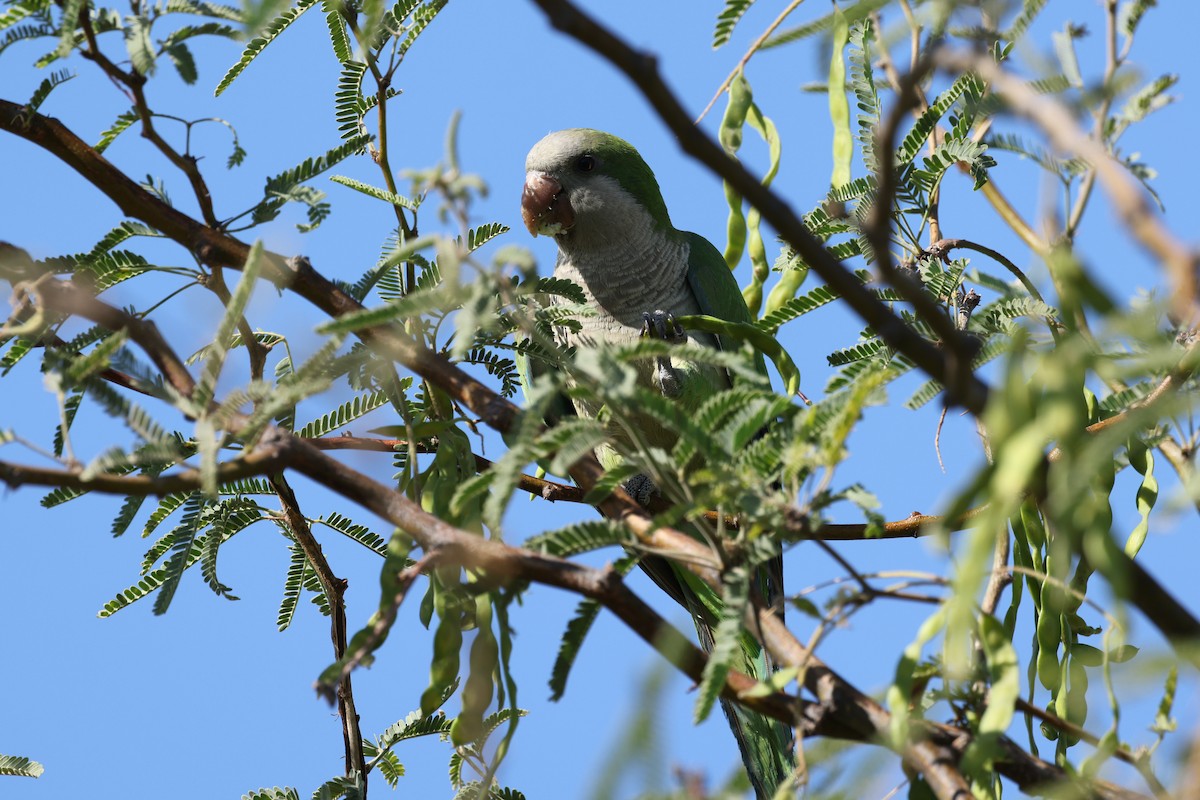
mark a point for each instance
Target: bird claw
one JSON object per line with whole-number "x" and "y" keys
{"x": 641, "y": 489}
{"x": 663, "y": 325}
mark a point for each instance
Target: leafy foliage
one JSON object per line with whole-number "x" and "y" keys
{"x": 1080, "y": 386}
{"x": 20, "y": 766}
{"x": 728, "y": 19}
{"x": 259, "y": 43}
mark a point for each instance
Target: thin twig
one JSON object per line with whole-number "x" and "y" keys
{"x": 1120, "y": 753}
{"x": 745, "y": 59}
{"x": 1129, "y": 199}
{"x": 963, "y": 386}
{"x": 335, "y": 594}
{"x": 1112, "y": 61}
{"x": 942, "y": 247}
{"x": 547, "y": 490}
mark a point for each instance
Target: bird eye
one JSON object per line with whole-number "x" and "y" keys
{"x": 585, "y": 163}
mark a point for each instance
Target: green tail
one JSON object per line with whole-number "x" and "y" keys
{"x": 766, "y": 744}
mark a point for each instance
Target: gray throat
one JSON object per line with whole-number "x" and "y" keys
{"x": 644, "y": 271}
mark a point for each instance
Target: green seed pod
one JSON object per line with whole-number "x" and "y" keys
{"x": 1077, "y": 707}
{"x": 1035, "y": 532}
{"x": 425, "y": 612}
{"x": 1049, "y": 636}
{"x": 443, "y": 670}
{"x": 1048, "y": 730}
{"x": 789, "y": 283}
{"x": 477, "y": 692}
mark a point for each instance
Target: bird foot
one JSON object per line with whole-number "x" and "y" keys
{"x": 641, "y": 489}
{"x": 662, "y": 325}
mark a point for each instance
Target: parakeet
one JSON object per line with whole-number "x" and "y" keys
{"x": 600, "y": 201}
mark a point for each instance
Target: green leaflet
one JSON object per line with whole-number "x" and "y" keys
{"x": 20, "y": 766}
{"x": 862, "y": 80}
{"x": 950, "y": 152}
{"x": 412, "y": 726}
{"x": 1029, "y": 12}
{"x": 1064, "y": 48}
{"x": 71, "y": 11}
{"x": 852, "y": 13}
{"x": 581, "y": 537}
{"x": 726, "y": 640}
{"x": 344, "y": 414}
{"x": 260, "y": 42}
{"x": 899, "y": 693}
{"x": 577, "y": 630}
{"x": 799, "y": 306}
{"x": 274, "y": 793}
{"x": 219, "y": 348}
{"x": 44, "y": 89}
{"x": 119, "y": 126}
{"x": 421, "y": 18}
{"x": 265, "y": 338}
{"x": 728, "y": 19}
{"x": 349, "y": 108}
{"x": 1130, "y": 15}
{"x": 181, "y": 58}
{"x": 352, "y": 530}
{"x": 343, "y": 50}
{"x": 915, "y": 139}
{"x": 293, "y": 583}
{"x": 20, "y": 10}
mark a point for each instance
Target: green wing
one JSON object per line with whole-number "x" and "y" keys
{"x": 766, "y": 745}
{"x": 716, "y": 289}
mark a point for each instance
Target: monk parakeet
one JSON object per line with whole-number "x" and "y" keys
{"x": 595, "y": 195}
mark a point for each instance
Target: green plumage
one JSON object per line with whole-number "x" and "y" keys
{"x": 595, "y": 194}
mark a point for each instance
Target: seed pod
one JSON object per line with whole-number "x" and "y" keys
{"x": 1049, "y": 636}
{"x": 1076, "y": 696}
{"x": 443, "y": 670}
{"x": 477, "y": 692}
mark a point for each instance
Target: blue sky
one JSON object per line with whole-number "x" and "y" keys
{"x": 209, "y": 701}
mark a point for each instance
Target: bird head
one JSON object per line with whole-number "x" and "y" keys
{"x": 585, "y": 186}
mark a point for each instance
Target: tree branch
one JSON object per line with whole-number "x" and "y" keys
{"x": 745, "y": 59}
{"x": 547, "y": 490}
{"x": 843, "y": 707}
{"x": 335, "y": 593}
{"x": 963, "y": 387}
{"x": 1180, "y": 262}
{"x": 942, "y": 247}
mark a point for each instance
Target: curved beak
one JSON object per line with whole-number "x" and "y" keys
{"x": 544, "y": 205}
